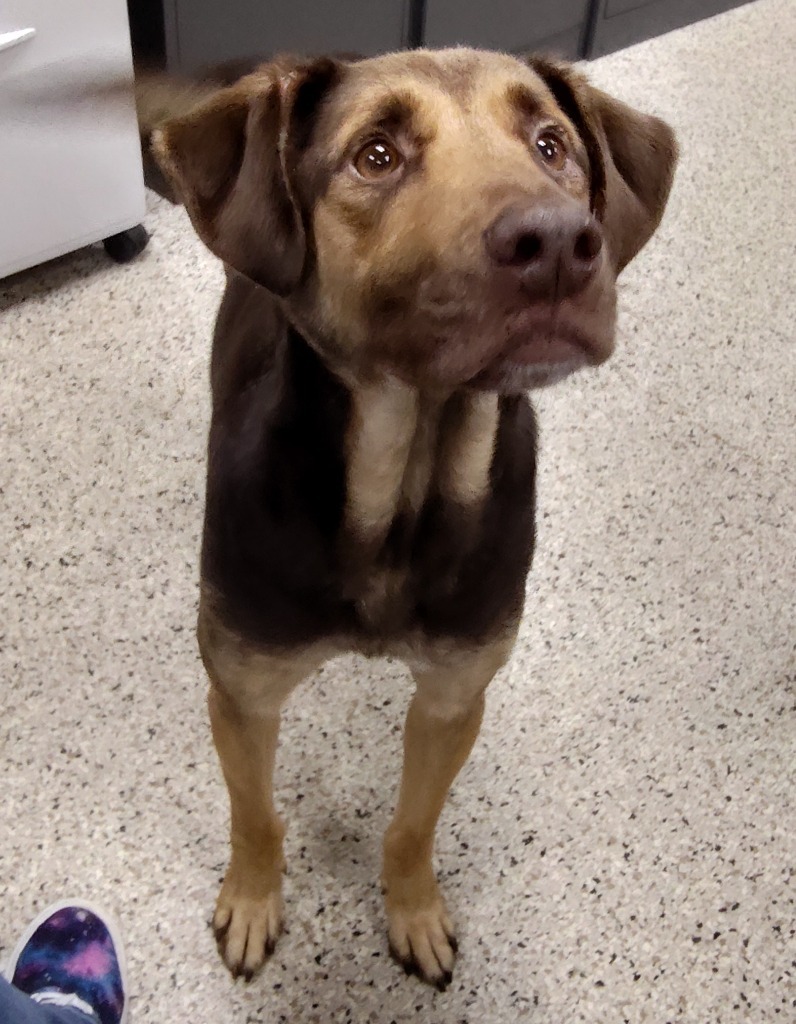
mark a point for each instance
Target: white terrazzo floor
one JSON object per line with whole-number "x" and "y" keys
{"x": 622, "y": 844}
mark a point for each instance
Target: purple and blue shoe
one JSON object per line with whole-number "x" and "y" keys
{"x": 71, "y": 955}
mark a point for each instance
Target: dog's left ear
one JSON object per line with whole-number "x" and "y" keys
{"x": 632, "y": 156}
{"x": 233, "y": 159}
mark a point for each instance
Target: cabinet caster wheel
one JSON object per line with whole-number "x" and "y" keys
{"x": 127, "y": 244}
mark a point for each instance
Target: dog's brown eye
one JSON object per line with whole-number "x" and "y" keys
{"x": 377, "y": 159}
{"x": 552, "y": 150}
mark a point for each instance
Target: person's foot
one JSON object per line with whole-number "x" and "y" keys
{"x": 71, "y": 955}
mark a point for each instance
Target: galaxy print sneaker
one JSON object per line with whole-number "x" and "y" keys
{"x": 71, "y": 955}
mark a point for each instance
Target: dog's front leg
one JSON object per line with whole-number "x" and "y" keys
{"x": 245, "y": 701}
{"x": 441, "y": 727}
{"x": 249, "y": 911}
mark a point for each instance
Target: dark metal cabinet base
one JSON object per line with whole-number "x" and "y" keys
{"x": 201, "y": 33}
{"x": 188, "y": 35}
{"x": 620, "y": 23}
{"x": 517, "y": 26}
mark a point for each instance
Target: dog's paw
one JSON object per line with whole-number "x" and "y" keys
{"x": 247, "y": 927}
{"x": 422, "y": 940}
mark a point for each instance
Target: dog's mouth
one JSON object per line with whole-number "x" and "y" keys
{"x": 541, "y": 348}
{"x": 515, "y": 373}
{"x": 461, "y": 333}
{"x": 512, "y": 376}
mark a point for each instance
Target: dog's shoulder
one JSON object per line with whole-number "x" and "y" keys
{"x": 275, "y": 483}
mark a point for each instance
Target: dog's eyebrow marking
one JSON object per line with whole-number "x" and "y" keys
{"x": 538, "y": 105}
{"x": 520, "y": 97}
{"x": 385, "y": 113}
{"x": 393, "y": 110}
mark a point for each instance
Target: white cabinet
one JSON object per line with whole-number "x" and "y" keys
{"x": 70, "y": 162}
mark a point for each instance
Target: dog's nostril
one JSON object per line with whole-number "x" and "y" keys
{"x": 588, "y": 244}
{"x": 528, "y": 248}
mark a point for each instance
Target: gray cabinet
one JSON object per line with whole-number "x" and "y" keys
{"x": 550, "y": 26}
{"x": 200, "y": 33}
{"x": 189, "y": 35}
{"x": 619, "y": 23}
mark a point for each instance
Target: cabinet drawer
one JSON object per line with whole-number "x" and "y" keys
{"x": 614, "y": 7}
{"x": 200, "y": 33}
{"x": 70, "y": 167}
{"x": 513, "y": 25}
{"x": 619, "y": 23}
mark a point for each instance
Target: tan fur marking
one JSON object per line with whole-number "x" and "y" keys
{"x": 441, "y": 726}
{"x": 423, "y": 454}
{"x": 380, "y": 437}
{"x": 256, "y": 683}
{"x": 399, "y": 447}
{"x": 468, "y": 449}
{"x": 246, "y": 695}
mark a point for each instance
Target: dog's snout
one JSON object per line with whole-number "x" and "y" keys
{"x": 552, "y": 251}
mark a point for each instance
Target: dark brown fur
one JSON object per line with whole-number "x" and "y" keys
{"x": 372, "y": 453}
{"x": 275, "y": 499}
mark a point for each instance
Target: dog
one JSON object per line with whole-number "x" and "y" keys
{"x": 412, "y": 243}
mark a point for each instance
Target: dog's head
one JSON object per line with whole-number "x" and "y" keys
{"x": 452, "y": 217}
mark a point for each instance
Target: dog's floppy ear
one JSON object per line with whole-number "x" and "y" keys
{"x": 632, "y": 156}
{"x": 232, "y": 160}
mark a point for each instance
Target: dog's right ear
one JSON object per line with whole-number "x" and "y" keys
{"x": 232, "y": 160}
{"x": 632, "y": 156}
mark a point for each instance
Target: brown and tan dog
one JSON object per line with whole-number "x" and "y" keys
{"x": 412, "y": 242}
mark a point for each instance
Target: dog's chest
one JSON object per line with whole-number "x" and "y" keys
{"x": 359, "y": 518}
{"x": 406, "y": 451}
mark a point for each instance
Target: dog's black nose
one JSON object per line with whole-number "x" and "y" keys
{"x": 553, "y": 251}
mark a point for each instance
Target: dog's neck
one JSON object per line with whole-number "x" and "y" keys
{"x": 403, "y": 443}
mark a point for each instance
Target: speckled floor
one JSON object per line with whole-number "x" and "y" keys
{"x": 622, "y": 844}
